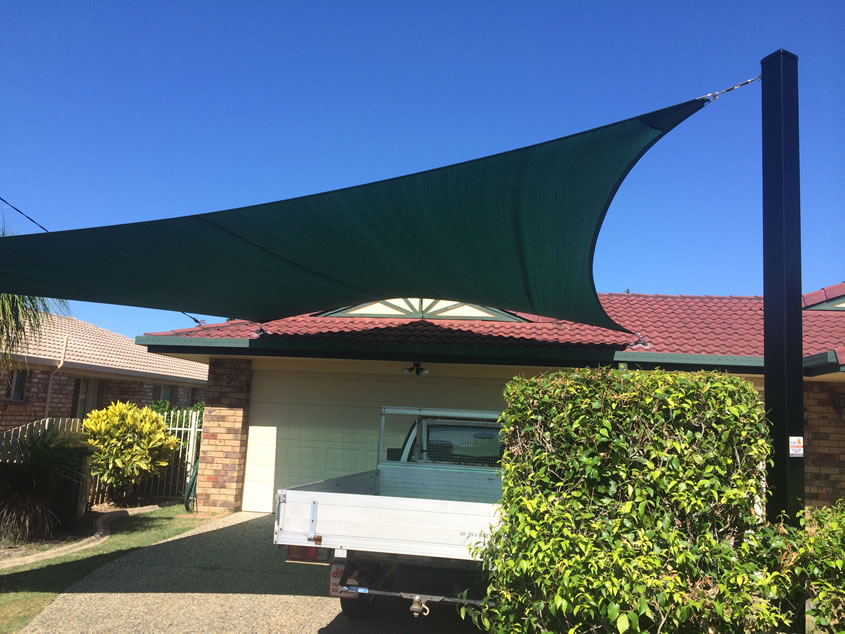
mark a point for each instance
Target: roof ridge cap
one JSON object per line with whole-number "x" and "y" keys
{"x": 680, "y": 296}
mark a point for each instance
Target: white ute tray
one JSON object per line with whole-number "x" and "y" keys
{"x": 382, "y": 524}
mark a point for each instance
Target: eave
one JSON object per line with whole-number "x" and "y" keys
{"x": 531, "y": 354}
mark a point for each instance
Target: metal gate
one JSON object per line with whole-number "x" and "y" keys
{"x": 186, "y": 425}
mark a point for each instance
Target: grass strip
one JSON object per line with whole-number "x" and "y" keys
{"x": 26, "y": 590}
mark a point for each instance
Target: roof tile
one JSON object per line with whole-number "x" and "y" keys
{"x": 823, "y": 295}
{"x": 679, "y": 324}
{"x": 91, "y": 345}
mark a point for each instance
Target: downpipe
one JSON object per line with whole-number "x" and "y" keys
{"x": 50, "y": 378}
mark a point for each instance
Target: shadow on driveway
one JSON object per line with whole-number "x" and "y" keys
{"x": 229, "y": 579}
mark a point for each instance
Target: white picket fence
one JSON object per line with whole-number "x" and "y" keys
{"x": 65, "y": 427}
{"x": 185, "y": 424}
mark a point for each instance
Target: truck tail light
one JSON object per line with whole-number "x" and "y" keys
{"x": 310, "y": 555}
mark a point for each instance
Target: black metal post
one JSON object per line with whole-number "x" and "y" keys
{"x": 783, "y": 329}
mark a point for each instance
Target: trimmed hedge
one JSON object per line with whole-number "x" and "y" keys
{"x": 629, "y": 505}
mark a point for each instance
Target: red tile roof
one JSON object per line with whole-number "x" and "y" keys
{"x": 826, "y": 294}
{"x": 676, "y": 324}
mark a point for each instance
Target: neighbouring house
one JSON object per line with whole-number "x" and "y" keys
{"x": 73, "y": 367}
{"x": 298, "y": 399}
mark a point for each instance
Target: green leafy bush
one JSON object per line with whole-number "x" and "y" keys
{"x": 814, "y": 558}
{"x": 629, "y": 505}
{"x": 133, "y": 444}
{"x": 34, "y": 470}
{"x": 160, "y": 407}
{"x": 163, "y": 407}
{"x": 821, "y": 565}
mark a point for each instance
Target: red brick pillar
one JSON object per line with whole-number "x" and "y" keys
{"x": 220, "y": 483}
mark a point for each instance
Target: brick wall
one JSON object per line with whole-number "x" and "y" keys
{"x": 113, "y": 390}
{"x": 182, "y": 395}
{"x": 824, "y": 440}
{"x": 225, "y": 427}
{"x": 141, "y": 393}
{"x": 13, "y": 414}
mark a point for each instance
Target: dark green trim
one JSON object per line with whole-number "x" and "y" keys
{"x": 822, "y": 363}
{"x": 569, "y": 356}
{"x": 191, "y": 342}
{"x": 665, "y": 358}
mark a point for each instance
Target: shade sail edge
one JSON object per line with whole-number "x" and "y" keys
{"x": 515, "y": 230}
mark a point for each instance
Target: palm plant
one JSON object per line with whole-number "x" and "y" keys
{"x": 34, "y": 474}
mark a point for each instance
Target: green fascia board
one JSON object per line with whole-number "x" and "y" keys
{"x": 191, "y": 342}
{"x": 822, "y": 363}
{"x": 509, "y": 355}
{"x": 666, "y": 358}
{"x": 814, "y": 365}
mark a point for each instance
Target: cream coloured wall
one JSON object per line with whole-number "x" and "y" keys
{"x": 312, "y": 419}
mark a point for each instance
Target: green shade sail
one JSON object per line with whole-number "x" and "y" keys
{"x": 515, "y": 230}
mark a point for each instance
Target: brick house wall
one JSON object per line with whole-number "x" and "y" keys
{"x": 64, "y": 393}
{"x": 824, "y": 440}
{"x": 31, "y": 408}
{"x": 142, "y": 393}
{"x": 220, "y": 480}
{"x": 124, "y": 390}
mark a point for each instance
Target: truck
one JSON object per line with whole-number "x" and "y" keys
{"x": 406, "y": 528}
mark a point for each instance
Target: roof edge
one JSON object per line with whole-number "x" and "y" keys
{"x": 93, "y": 368}
{"x": 572, "y": 355}
{"x": 824, "y": 298}
{"x": 190, "y": 342}
{"x": 829, "y": 362}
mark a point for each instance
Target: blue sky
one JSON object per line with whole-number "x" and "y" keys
{"x": 117, "y": 112}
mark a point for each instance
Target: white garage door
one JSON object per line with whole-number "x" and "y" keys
{"x": 309, "y": 426}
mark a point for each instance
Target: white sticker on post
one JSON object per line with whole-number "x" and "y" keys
{"x": 796, "y": 446}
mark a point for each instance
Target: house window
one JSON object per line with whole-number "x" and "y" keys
{"x": 163, "y": 393}
{"x": 87, "y": 396}
{"x": 16, "y": 388}
{"x": 195, "y": 396}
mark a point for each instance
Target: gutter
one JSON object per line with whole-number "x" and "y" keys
{"x": 823, "y": 363}
{"x": 813, "y": 365}
{"x": 50, "y": 379}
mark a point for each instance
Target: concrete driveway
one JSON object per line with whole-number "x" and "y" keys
{"x": 224, "y": 577}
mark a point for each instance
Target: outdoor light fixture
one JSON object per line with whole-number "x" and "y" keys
{"x": 416, "y": 368}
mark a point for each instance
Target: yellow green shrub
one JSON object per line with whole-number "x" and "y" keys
{"x": 133, "y": 444}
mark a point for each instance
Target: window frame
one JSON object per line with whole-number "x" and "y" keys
{"x": 16, "y": 387}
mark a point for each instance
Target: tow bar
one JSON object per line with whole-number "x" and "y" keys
{"x": 418, "y": 601}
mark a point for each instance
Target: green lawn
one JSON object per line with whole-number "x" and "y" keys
{"x": 26, "y": 590}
